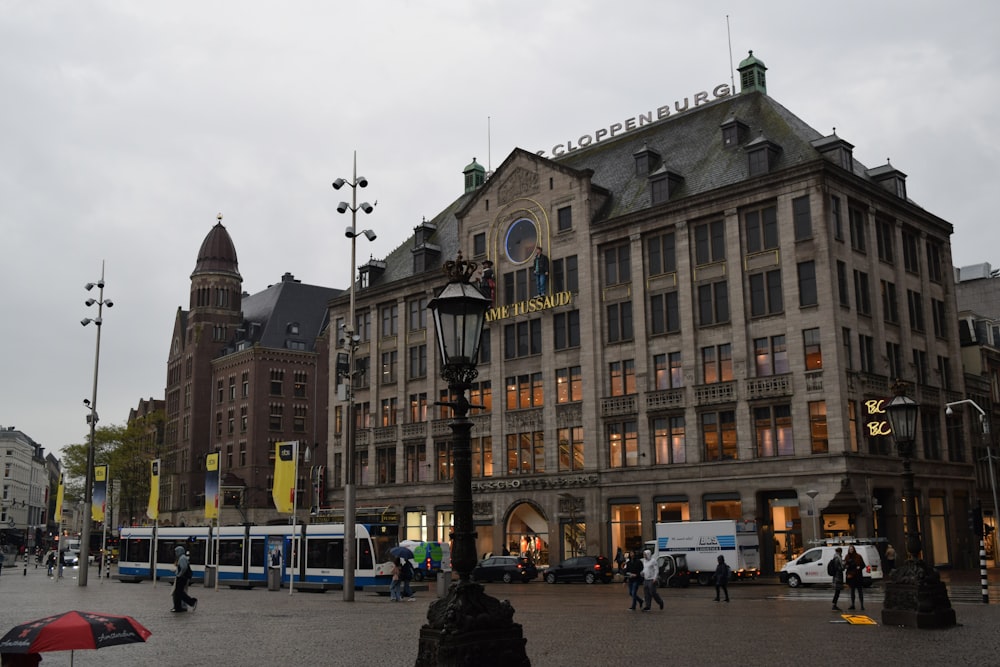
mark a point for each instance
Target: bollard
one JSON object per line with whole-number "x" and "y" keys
{"x": 984, "y": 577}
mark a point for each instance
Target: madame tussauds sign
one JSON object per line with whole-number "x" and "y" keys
{"x": 641, "y": 120}
{"x": 532, "y": 305}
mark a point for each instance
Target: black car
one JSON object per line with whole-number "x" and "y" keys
{"x": 505, "y": 569}
{"x": 581, "y": 568}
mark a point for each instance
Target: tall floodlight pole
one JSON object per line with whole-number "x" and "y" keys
{"x": 351, "y": 341}
{"x": 88, "y": 489}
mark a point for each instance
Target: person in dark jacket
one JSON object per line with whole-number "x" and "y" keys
{"x": 633, "y": 574}
{"x": 541, "y": 267}
{"x": 722, "y": 578}
{"x": 837, "y": 566}
{"x": 854, "y": 567}
{"x": 181, "y": 580}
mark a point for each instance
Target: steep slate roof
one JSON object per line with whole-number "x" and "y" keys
{"x": 267, "y": 314}
{"x": 689, "y": 144}
{"x": 399, "y": 263}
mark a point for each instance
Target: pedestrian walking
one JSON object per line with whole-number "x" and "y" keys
{"x": 649, "y": 572}
{"x": 854, "y": 567}
{"x": 50, "y": 561}
{"x": 394, "y": 595}
{"x": 835, "y": 568}
{"x": 722, "y": 578}
{"x": 633, "y": 577}
{"x": 182, "y": 577}
{"x": 406, "y": 576}
{"x": 890, "y": 559}
{"x": 620, "y": 560}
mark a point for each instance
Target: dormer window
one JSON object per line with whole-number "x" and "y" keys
{"x": 292, "y": 328}
{"x": 762, "y": 155}
{"x": 646, "y": 161}
{"x": 890, "y": 178}
{"x": 734, "y": 133}
{"x": 836, "y": 150}
{"x": 662, "y": 184}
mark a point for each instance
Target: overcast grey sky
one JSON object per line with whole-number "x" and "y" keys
{"x": 127, "y": 126}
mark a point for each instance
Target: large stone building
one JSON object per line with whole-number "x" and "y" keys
{"x": 730, "y": 298}
{"x": 244, "y": 372}
{"x": 25, "y": 511}
{"x": 978, "y": 295}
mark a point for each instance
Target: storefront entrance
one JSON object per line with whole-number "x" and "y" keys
{"x": 527, "y": 533}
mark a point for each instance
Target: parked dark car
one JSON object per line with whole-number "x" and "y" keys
{"x": 505, "y": 569}
{"x": 581, "y": 568}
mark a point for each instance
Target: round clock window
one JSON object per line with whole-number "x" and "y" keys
{"x": 522, "y": 237}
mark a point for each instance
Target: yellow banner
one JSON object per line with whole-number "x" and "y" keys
{"x": 212, "y": 486}
{"x": 284, "y": 475}
{"x": 153, "y": 510}
{"x": 59, "y": 500}
{"x": 99, "y": 502}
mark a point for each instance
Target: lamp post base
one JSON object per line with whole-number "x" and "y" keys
{"x": 917, "y": 598}
{"x": 468, "y": 627}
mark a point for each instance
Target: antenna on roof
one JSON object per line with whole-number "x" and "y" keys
{"x": 489, "y": 148}
{"x": 729, "y": 38}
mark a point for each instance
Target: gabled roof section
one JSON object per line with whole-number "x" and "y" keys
{"x": 399, "y": 263}
{"x": 498, "y": 175}
{"x": 285, "y": 315}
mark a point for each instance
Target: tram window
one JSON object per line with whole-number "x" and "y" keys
{"x": 135, "y": 551}
{"x": 257, "y": 549}
{"x": 231, "y": 552}
{"x": 325, "y": 553}
{"x": 365, "y": 555}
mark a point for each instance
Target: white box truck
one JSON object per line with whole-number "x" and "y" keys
{"x": 702, "y": 542}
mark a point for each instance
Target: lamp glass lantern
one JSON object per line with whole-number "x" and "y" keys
{"x": 459, "y": 314}
{"x": 902, "y": 412}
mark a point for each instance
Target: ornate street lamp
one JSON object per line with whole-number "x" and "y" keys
{"x": 916, "y": 596}
{"x": 467, "y": 626}
{"x": 91, "y": 403}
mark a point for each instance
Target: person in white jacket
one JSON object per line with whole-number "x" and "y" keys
{"x": 649, "y": 572}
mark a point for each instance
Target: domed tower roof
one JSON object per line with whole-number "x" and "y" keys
{"x": 217, "y": 254}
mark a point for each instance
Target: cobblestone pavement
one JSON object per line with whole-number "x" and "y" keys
{"x": 565, "y": 624}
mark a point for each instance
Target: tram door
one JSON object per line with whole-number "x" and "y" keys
{"x": 293, "y": 558}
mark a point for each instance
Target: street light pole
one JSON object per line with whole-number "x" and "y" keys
{"x": 984, "y": 427}
{"x": 467, "y": 626}
{"x": 351, "y": 339}
{"x": 88, "y": 489}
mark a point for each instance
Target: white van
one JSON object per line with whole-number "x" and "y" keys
{"x": 810, "y": 567}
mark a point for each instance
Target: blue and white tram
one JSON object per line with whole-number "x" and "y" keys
{"x": 246, "y": 552}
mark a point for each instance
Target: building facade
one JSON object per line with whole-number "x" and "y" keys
{"x": 24, "y": 503}
{"x": 978, "y": 291}
{"x": 243, "y": 373}
{"x": 729, "y": 297}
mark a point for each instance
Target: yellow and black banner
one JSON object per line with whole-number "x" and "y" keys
{"x": 99, "y": 503}
{"x": 284, "y": 475}
{"x": 212, "y": 486}
{"x": 59, "y": 500}
{"x": 153, "y": 510}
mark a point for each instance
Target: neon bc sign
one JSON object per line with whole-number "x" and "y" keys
{"x": 635, "y": 122}
{"x": 877, "y": 423}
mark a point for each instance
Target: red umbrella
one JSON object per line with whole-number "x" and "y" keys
{"x": 73, "y": 630}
